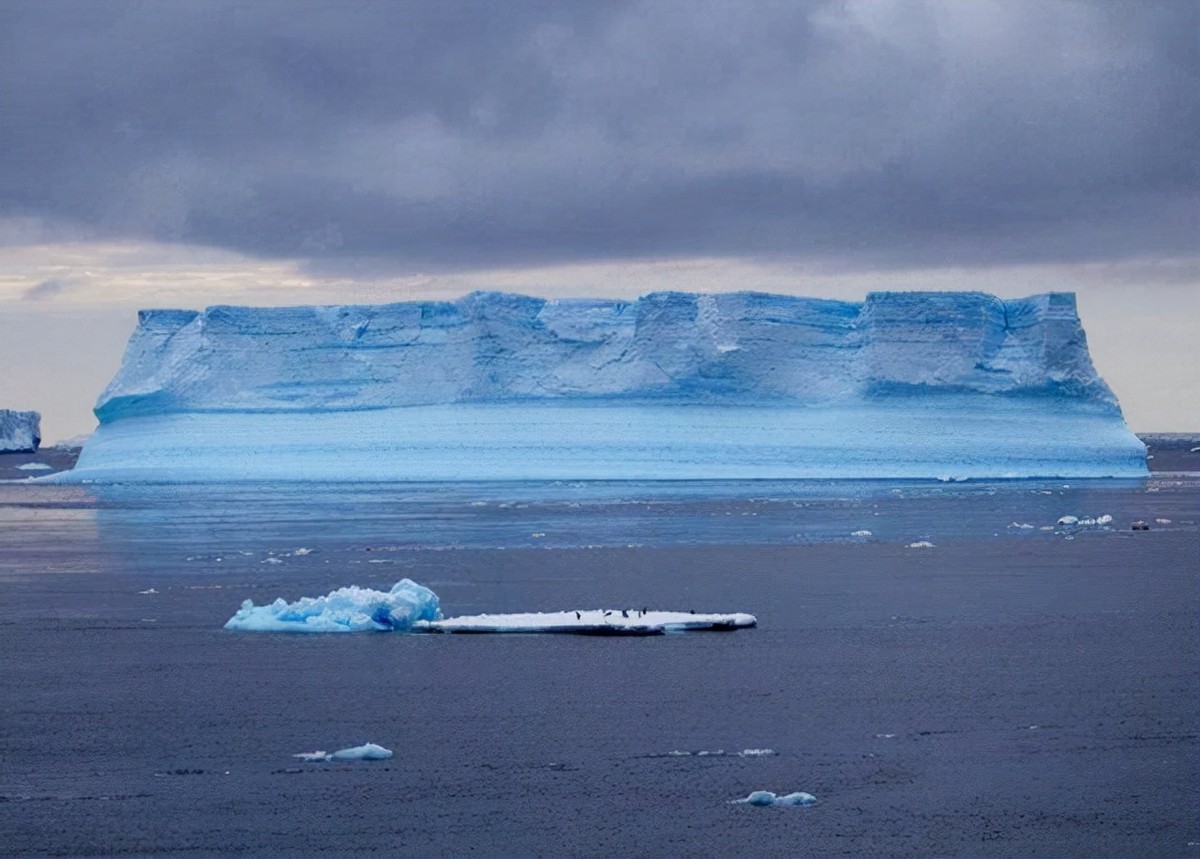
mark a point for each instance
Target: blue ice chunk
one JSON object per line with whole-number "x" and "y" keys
{"x": 351, "y": 609}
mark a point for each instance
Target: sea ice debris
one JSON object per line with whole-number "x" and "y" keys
{"x": 35, "y": 466}
{"x": 863, "y": 533}
{"x": 921, "y": 544}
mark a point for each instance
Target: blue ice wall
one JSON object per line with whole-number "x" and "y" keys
{"x": 790, "y": 387}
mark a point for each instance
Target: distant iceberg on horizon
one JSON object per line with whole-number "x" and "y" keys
{"x": 20, "y": 432}
{"x": 671, "y": 386}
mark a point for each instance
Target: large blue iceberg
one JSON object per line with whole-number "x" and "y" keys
{"x": 670, "y": 386}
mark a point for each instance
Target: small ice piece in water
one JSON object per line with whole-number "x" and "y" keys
{"x": 863, "y": 533}
{"x": 1022, "y": 525}
{"x": 35, "y": 466}
{"x": 756, "y": 753}
{"x": 148, "y": 591}
{"x": 365, "y": 752}
{"x": 302, "y": 551}
{"x": 921, "y": 544}
{"x": 1160, "y": 521}
{"x": 766, "y": 797}
{"x": 1106, "y": 519}
{"x": 1068, "y": 520}
{"x": 351, "y": 609}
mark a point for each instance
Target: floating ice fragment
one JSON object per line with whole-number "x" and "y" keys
{"x": 1068, "y": 520}
{"x": 590, "y": 622}
{"x": 757, "y": 753}
{"x": 148, "y": 591}
{"x": 863, "y": 533}
{"x": 271, "y": 560}
{"x": 365, "y": 752}
{"x": 302, "y": 551}
{"x": 1022, "y": 525}
{"x": 35, "y": 466}
{"x": 1161, "y": 521}
{"x": 921, "y": 544}
{"x": 766, "y": 797}
{"x": 1106, "y": 519}
{"x": 349, "y": 609}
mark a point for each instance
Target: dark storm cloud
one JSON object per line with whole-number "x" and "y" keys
{"x": 455, "y": 134}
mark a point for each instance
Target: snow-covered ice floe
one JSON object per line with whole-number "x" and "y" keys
{"x": 591, "y": 622}
{"x": 766, "y": 797}
{"x": 410, "y": 607}
{"x": 365, "y": 752}
{"x": 671, "y": 386}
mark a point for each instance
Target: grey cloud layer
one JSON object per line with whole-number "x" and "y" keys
{"x": 362, "y": 136}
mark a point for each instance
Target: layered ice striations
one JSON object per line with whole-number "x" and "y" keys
{"x": 670, "y": 386}
{"x": 20, "y": 432}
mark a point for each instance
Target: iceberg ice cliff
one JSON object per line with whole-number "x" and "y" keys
{"x": 669, "y": 386}
{"x": 19, "y": 431}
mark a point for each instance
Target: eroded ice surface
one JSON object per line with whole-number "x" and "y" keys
{"x": 19, "y": 431}
{"x": 670, "y": 386}
{"x": 351, "y": 609}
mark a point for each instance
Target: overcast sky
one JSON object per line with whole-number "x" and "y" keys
{"x": 191, "y": 153}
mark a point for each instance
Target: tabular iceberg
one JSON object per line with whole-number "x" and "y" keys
{"x": 670, "y": 386}
{"x": 19, "y": 431}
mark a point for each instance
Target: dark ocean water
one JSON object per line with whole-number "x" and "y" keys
{"x": 1010, "y": 691}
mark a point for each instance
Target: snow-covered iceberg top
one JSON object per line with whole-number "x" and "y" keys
{"x": 670, "y": 386}
{"x": 410, "y": 607}
{"x": 669, "y": 346}
{"x": 20, "y": 432}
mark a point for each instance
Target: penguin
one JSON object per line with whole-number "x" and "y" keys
{"x": 624, "y": 613}
{"x": 578, "y": 616}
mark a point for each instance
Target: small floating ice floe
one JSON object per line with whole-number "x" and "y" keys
{"x": 863, "y": 533}
{"x": 921, "y": 544}
{"x": 365, "y": 752}
{"x": 717, "y": 753}
{"x": 590, "y": 622}
{"x": 766, "y": 797}
{"x": 35, "y": 466}
{"x": 1163, "y": 521}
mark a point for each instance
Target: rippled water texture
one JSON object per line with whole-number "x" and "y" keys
{"x": 1016, "y": 687}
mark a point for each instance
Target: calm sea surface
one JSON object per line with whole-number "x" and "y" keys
{"x": 1018, "y": 688}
